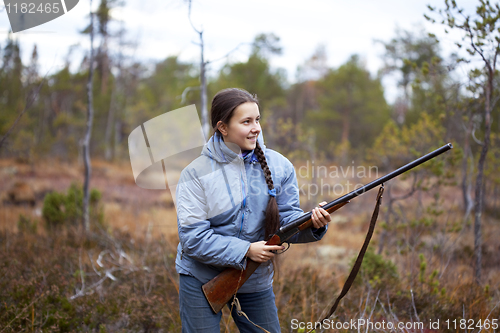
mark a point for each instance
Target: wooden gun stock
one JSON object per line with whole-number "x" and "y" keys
{"x": 221, "y": 288}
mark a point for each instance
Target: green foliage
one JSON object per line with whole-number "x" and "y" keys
{"x": 426, "y": 83}
{"x": 256, "y": 76}
{"x": 266, "y": 43}
{"x": 52, "y": 212}
{"x": 493, "y": 161}
{"x": 406, "y": 52}
{"x": 480, "y": 34}
{"x": 395, "y": 146}
{"x": 423, "y": 266}
{"x": 303, "y": 330}
{"x": 61, "y": 209}
{"x": 25, "y": 224}
{"x": 293, "y": 139}
{"x": 430, "y": 282}
{"x": 17, "y": 86}
{"x": 161, "y": 91}
{"x": 352, "y": 108}
{"x": 377, "y": 271}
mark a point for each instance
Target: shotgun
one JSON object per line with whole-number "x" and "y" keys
{"x": 221, "y": 288}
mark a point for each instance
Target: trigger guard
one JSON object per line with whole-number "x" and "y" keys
{"x": 286, "y": 248}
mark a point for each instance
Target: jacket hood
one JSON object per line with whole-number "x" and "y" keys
{"x": 217, "y": 149}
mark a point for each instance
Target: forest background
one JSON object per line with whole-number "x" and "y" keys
{"x": 434, "y": 254}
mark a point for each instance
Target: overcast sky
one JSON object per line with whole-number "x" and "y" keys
{"x": 162, "y": 28}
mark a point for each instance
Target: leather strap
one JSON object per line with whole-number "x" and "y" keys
{"x": 359, "y": 259}
{"x": 236, "y": 303}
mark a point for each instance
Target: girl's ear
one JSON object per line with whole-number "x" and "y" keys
{"x": 222, "y": 127}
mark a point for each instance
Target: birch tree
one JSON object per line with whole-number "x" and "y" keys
{"x": 481, "y": 40}
{"x": 90, "y": 118}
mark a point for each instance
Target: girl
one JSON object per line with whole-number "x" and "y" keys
{"x": 229, "y": 201}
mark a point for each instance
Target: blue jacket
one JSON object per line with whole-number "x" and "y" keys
{"x": 221, "y": 199}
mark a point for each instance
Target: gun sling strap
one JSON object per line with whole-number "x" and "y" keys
{"x": 359, "y": 259}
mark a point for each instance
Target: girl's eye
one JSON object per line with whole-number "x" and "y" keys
{"x": 248, "y": 121}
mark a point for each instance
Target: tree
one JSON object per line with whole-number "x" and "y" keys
{"x": 405, "y": 56}
{"x": 256, "y": 76}
{"x": 11, "y": 85}
{"x": 21, "y": 86}
{"x": 162, "y": 90}
{"x": 102, "y": 58}
{"x": 352, "y": 108}
{"x": 301, "y": 96}
{"x": 90, "y": 119}
{"x": 105, "y": 103}
{"x": 203, "y": 77}
{"x": 481, "y": 34}
{"x": 396, "y": 146}
{"x": 119, "y": 96}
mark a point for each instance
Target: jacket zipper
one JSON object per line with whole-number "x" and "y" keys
{"x": 243, "y": 206}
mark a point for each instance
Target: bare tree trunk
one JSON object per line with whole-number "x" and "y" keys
{"x": 90, "y": 118}
{"x": 116, "y": 90}
{"x": 203, "y": 83}
{"x": 105, "y": 65}
{"x": 478, "y": 241}
{"x": 385, "y": 231}
{"x": 495, "y": 197}
{"x": 109, "y": 126}
{"x": 466, "y": 178}
{"x": 311, "y": 145}
{"x": 346, "y": 124}
{"x": 117, "y": 140}
{"x": 204, "y": 110}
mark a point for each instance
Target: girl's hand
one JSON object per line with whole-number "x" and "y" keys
{"x": 260, "y": 252}
{"x": 320, "y": 217}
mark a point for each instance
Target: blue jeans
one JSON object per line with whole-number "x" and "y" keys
{"x": 197, "y": 315}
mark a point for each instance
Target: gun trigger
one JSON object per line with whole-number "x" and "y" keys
{"x": 286, "y": 248}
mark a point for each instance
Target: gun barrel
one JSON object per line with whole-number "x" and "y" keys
{"x": 369, "y": 186}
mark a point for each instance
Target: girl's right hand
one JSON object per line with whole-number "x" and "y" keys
{"x": 260, "y": 252}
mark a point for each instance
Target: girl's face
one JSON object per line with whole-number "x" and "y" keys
{"x": 243, "y": 127}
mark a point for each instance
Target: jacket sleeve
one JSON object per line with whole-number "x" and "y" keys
{"x": 289, "y": 206}
{"x": 196, "y": 236}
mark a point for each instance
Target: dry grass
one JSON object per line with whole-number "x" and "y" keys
{"x": 41, "y": 271}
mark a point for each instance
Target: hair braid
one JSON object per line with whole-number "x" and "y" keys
{"x": 272, "y": 212}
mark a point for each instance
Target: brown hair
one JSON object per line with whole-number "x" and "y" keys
{"x": 223, "y": 105}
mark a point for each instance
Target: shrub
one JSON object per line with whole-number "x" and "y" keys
{"x": 24, "y": 224}
{"x": 376, "y": 270}
{"x": 66, "y": 209}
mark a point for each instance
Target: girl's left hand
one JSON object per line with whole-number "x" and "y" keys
{"x": 320, "y": 217}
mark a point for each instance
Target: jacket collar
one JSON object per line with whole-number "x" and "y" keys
{"x": 217, "y": 150}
